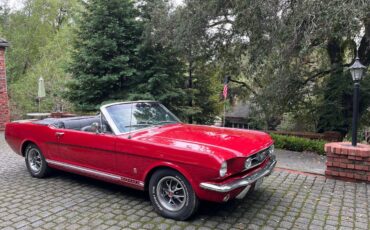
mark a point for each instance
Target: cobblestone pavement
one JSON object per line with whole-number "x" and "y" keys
{"x": 66, "y": 201}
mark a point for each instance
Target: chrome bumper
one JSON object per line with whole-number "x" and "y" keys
{"x": 242, "y": 182}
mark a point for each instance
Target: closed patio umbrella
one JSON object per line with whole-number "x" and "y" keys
{"x": 41, "y": 90}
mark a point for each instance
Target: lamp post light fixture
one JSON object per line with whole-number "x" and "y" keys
{"x": 357, "y": 70}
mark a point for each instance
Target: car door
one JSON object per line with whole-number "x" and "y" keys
{"x": 87, "y": 150}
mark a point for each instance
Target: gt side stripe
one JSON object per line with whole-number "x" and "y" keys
{"x": 97, "y": 173}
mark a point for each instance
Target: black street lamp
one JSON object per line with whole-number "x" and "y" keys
{"x": 356, "y": 70}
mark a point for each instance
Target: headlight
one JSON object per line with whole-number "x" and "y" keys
{"x": 248, "y": 163}
{"x": 271, "y": 149}
{"x": 223, "y": 169}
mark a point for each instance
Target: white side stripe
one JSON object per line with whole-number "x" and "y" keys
{"x": 97, "y": 173}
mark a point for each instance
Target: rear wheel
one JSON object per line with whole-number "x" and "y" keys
{"x": 35, "y": 162}
{"x": 172, "y": 195}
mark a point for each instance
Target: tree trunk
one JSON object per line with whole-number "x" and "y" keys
{"x": 364, "y": 49}
{"x": 337, "y": 105}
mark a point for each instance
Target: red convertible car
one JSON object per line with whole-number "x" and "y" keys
{"x": 144, "y": 146}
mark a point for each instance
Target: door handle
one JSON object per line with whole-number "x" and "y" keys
{"x": 58, "y": 134}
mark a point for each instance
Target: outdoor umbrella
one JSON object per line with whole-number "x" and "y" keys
{"x": 41, "y": 91}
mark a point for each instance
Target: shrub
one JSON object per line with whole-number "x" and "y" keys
{"x": 298, "y": 144}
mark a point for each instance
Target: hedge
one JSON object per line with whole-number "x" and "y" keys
{"x": 298, "y": 144}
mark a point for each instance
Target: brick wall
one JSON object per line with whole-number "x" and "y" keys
{"x": 347, "y": 162}
{"x": 4, "y": 102}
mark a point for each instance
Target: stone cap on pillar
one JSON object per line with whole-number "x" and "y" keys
{"x": 3, "y": 43}
{"x": 346, "y": 148}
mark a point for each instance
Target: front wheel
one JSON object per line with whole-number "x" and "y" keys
{"x": 35, "y": 161}
{"x": 172, "y": 195}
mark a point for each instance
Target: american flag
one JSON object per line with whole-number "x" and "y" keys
{"x": 224, "y": 92}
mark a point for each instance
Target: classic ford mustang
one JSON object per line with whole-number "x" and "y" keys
{"x": 144, "y": 146}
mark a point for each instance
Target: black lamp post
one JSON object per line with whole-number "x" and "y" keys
{"x": 356, "y": 70}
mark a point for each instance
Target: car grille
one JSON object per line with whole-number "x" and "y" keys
{"x": 259, "y": 157}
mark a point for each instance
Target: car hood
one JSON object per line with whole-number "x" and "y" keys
{"x": 226, "y": 143}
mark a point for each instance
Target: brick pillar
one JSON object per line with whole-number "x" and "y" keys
{"x": 347, "y": 162}
{"x": 4, "y": 100}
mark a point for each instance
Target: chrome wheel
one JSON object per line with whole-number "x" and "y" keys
{"x": 34, "y": 160}
{"x": 171, "y": 193}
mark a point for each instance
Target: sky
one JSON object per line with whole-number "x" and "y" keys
{"x": 16, "y": 4}
{"x": 177, "y": 2}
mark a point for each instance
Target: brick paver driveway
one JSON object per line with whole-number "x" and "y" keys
{"x": 66, "y": 201}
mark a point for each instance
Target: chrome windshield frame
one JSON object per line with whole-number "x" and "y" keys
{"x": 104, "y": 111}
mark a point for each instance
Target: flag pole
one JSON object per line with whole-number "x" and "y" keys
{"x": 224, "y": 94}
{"x": 224, "y": 121}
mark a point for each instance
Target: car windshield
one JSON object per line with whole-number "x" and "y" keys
{"x": 134, "y": 116}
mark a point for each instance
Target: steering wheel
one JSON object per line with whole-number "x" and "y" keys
{"x": 150, "y": 121}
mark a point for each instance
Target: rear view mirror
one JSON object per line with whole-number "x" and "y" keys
{"x": 95, "y": 127}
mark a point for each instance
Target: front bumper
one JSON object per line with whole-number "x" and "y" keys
{"x": 242, "y": 182}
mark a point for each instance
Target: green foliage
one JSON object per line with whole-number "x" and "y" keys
{"x": 281, "y": 59}
{"x": 31, "y": 28}
{"x": 207, "y": 94}
{"x": 159, "y": 78}
{"x": 298, "y": 144}
{"x": 39, "y": 35}
{"x": 287, "y": 123}
{"x": 117, "y": 59}
{"x": 184, "y": 30}
{"x": 105, "y": 56}
{"x": 51, "y": 66}
{"x": 303, "y": 119}
{"x": 288, "y": 57}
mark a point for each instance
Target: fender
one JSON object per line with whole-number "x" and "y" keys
{"x": 29, "y": 140}
{"x": 172, "y": 166}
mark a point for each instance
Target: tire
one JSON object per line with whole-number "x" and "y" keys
{"x": 35, "y": 162}
{"x": 172, "y": 195}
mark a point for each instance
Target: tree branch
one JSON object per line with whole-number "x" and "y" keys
{"x": 244, "y": 85}
{"x": 322, "y": 73}
{"x": 219, "y": 23}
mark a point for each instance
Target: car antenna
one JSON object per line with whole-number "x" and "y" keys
{"x": 129, "y": 132}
